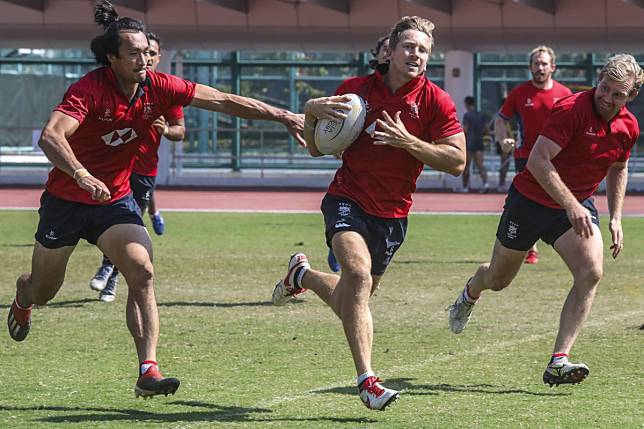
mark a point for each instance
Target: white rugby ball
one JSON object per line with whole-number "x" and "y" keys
{"x": 332, "y": 136}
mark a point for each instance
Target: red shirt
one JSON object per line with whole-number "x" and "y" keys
{"x": 147, "y": 157}
{"x": 111, "y": 129}
{"x": 381, "y": 178}
{"x": 589, "y": 146}
{"x": 532, "y": 107}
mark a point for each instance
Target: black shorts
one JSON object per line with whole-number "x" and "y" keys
{"x": 524, "y": 221}
{"x": 62, "y": 223}
{"x": 519, "y": 164}
{"x": 142, "y": 189}
{"x": 474, "y": 146}
{"x": 383, "y": 236}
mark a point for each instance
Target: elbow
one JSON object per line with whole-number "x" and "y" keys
{"x": 457, "y": 169}
{"x": 46, "y": 139}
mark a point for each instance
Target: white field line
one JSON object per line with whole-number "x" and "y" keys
{"x": 490, "y": 349}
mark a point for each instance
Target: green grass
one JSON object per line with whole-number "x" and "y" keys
{"x": 245, "y": 363}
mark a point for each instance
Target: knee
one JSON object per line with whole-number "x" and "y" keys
{"x": 358, "y": 279}
{"x": 589, "y": 276}
{"x": 139, "y": 275}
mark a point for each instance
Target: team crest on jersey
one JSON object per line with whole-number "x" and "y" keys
{"x": 106, "y": 116}
{"x": 413, "y": 106}
{"x": 529, "y": 102}
{"x": 119, "y": 137}
{"x": 148, "y": 108}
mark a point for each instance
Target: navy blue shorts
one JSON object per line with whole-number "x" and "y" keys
{"x": 383, "y": 236}
{"x": 524, "y": 221}
{"x": 142, "y": 188}
{"x": 62, "y": 223}
{"x": 520, "y": 164}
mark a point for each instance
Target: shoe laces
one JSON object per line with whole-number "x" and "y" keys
{"x": 372, "y": 385}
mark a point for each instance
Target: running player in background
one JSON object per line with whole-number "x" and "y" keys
{"x": 144, "y": 171}
{"x": 531, "y": 103}
{"x": 380, "y": 63}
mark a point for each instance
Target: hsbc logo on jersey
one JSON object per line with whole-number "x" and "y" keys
{"x": 119, "y": 137}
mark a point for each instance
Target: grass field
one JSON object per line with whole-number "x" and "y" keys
{"x": 245, "y": 363}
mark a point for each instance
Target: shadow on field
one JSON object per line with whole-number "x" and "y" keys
{"x": 71, "y": 303}
{"x": 223, "y": 304}
{"x": 18, "y": 245}
{"x": 409, "y": 388}
{"x": 213, "y": 412}
{"x": 433, "y": 261}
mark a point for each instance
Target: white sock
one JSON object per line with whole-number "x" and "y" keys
{"x": 299, "y": 276}
{"x": 363, "y": 377}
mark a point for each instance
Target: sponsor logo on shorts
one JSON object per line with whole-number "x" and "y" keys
{"x": 51, "y": 235}
{"x": 341, "y": 225}
{"x": 344, "y": 209}
{"x": 513, "y": 229}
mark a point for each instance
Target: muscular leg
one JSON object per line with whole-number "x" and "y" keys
{"x": 584, "y": 257}
{"x": 152, "y": 207}
{"x": 466, "y": 170}
{"x": 47, "y": 274}
{"x": 130, "y": 248}
{"x": 499, "y": 272}
{"x": 348, "y": 294}
{"x": 478, "y": 159}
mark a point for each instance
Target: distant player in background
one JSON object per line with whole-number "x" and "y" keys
{"x": 474, "y": 128}
{"x": 379, "y": 58}
{"x": 410, "y": 123}
{"x": 91, "y": 138}
{"x": 531, "y": 103}
{"x": 144, "y": 171}
{"x": 587, "y": 138}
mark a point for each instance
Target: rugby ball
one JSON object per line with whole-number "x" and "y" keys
{"x": 332, "y": 137}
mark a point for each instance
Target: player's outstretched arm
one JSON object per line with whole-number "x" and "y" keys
{"x": 541, "y": 167}
{"x": 616, "y": 180}
{"x": 53, "y": 142}
{"x": 447, "y": 154}
{"x": 209, "y": 98}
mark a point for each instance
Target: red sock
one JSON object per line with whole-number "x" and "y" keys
{"x": 146, "y": 365}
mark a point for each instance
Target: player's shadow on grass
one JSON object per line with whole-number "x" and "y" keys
{"x": 213, "y": 412}
{"x": 410, "y": 388}
{"x": 223, "y": 304}
{"x": 433, "y": 261}
{"x": 17, "y": 245}
{"x": 70, "y": 303}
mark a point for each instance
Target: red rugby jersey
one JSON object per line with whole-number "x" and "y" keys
{"x": 381, "y": 178}
{"x": 531, "y": 105}
{"x": 589, "y": 146}
{"x": 111, "y": 128}
{"x": 147, "y": 157}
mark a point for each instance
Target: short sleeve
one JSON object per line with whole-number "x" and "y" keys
{"x": 443, "y": 119}
{"x": 346, "y": 87}
{"x": 176, "y": 91}
{"x": 508, "y": 109}
{"x": 78, "y": 101}
{"x": 561, "y": 125}
{"x": 174, "y": 113}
